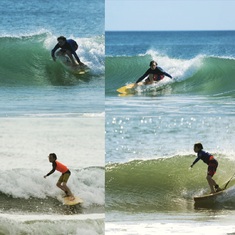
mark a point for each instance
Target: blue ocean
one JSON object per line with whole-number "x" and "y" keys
{"x": 150, "y": 134}
{"x": 45, "y": 108}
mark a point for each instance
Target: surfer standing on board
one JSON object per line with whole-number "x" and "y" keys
{"x": 154, "y": 74}
{"x": 63, "y": 178}
{"x": 68, "y": 47}
{"x": 212, "y": 166}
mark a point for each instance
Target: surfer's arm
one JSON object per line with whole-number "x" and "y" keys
{"x": 195, "y": 161}
{"x": 54, "y": 50}
{"x": 143, "y": 76}
{"x": 73, "y": 52}
{"x": 163, "y": 72}
{"x": 168, "y": 75}
{"x": 76, "y": 57}
{"x": 52, "y": 171}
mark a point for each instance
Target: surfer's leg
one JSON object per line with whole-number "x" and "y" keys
{"x": 60, "y": 185}
{"x": 69, "y": 54}
{"x": 66, "y": 188}
{"x": 211, "y": 171}
{"x": 211, "y": 183}
{"x": 60, "y": 53}
{"x": 148, "y": 80}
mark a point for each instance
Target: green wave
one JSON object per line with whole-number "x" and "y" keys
{"x": 160, "y": 184}
{"x": 26, "y": 60}
{"x": 205, "y": 75}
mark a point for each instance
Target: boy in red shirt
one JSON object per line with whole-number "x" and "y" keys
{"x": 63, "y": 178}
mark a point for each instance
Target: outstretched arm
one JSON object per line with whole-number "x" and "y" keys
{"x": 143, "y": 76}
{"x": 195, "y": 161}
{"x": 163, "y": 72}
{"x": 54, "y": 50}
{"x": 52, "y": 171}
{"x": 168, "y": 75}
{"x": 76, "y": 57}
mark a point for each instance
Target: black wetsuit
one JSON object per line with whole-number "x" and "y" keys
{"x": 69, "y": 45}
{"x": 209, "y": 160}
{"x": 157, "y": 71}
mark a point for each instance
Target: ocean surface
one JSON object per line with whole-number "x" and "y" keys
{"x": 44, "y": 108}
{"x": 150, "y": 135}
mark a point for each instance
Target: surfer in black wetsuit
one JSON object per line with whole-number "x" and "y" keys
{"x": 212, "y": 166}
{"x": 68, "y": 47}
{"x": 154, "y": 73}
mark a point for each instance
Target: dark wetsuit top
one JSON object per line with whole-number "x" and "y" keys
{"x": 204, "y": 156}
{"x": 69, "y": 45}
{"x": 159, "y": 71}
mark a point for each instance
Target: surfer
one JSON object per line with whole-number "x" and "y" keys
{"x": 68, "y": 47}
{"x": 63, "y": 178}
{"x": 154, "y": 74}
{"x": 212, "y": 166}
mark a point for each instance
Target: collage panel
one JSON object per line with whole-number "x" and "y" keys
{"x": 52, "y": 73}
{"x": 169, "y": 119}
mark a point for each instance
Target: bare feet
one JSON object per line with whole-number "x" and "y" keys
{"x": 71, "y": 198}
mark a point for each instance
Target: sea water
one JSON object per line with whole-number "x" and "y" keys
{"x": 150, "y": 135}
{"x": 45, "y": 109}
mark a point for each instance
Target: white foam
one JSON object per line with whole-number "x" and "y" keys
{"x": 54, "y": 217}
{"x": 87, "y": 183}
{"x": 154, "y": 227}
{"x": 89, "y": 224}
{"x": 180, "y": 69}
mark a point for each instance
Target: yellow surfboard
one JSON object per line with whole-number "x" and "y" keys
{"x": 67, "y": 201}
{"x": 129, "y": 89}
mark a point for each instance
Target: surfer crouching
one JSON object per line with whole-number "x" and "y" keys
{"x": 212, "y": 166}
{"x": 153, "y": 74}
{"x": 68, "y": 47}
{"x": 63, "y": 178}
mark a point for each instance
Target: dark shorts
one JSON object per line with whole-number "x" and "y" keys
{"x": 157, "y": 77}
{"x": 212, "y": 166}
{"x": 64, "y": 177}
{"x": 154, "y": 77}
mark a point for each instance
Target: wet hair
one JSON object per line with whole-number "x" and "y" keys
{"x": 151, "y": 63}
{"x": 198, "y": 145}
{"x": 61, "y": 38}
{"x": 53, "y": 155}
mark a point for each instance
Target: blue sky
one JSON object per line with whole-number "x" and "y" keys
{"x": 169, "y": 15}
